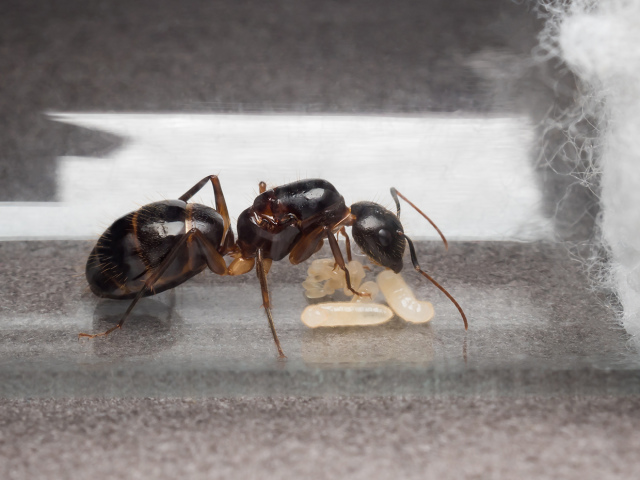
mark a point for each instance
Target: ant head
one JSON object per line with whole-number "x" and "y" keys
{"x": 375, "y": 230}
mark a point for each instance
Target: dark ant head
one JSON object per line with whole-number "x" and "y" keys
{"x": 375, "y": 230}
{"x": 380, "y": 235}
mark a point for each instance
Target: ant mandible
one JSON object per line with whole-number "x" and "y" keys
{"x": 163, "y": 244}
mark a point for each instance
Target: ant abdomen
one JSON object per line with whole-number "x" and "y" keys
{"x": 136, "y": 244}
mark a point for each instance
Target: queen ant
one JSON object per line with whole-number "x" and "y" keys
{"x": 163, "y": 244}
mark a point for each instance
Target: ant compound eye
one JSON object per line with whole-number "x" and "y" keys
{"x": 384, "y": 237}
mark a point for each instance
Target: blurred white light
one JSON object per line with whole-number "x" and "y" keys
{"x": 473, "y": 176}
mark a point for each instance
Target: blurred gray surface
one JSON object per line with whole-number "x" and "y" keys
{"x": 535, "y": 328}
{"x": 283, "y": 56}
{"x": 409, "y": 438}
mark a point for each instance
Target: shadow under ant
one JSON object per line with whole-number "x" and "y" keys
{"x": 153, "y": 327}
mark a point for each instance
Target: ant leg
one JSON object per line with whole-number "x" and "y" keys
{"x": 337, "y": 255}
{"x": 416, "y": 265}
{"x": 148, "y": 284}
{"x": 214, "y": 260}
{"x": 262, "y": 276}
{"x": 395, "y": 194}
{"x": 262, "y": 187}
{"x": 347, "y": 243}
{"x": 221, "y": 204}
{"x": 306, "y": 246}
{"x": 240, "y": 266}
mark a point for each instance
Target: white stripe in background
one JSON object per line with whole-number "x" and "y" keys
{"x": 473, "y": 176}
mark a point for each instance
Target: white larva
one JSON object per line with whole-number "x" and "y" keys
{"x": 324, "y": 279}
{"x": 402, "y": 300}
{"x": 345, "y": 314}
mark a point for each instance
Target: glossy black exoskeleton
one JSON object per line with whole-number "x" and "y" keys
{"x": 158, "y": 247}
{"x": 294, "y": 219}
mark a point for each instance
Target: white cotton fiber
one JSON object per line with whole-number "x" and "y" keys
{"x": 600, "y": 42}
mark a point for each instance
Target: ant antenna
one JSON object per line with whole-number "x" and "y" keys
{"x": 395, "y": 194}
{"x": 416, "y": 265}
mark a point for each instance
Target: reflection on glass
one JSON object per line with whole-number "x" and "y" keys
{"x": 393, "y": 343}
{"x": 152, "y": 327}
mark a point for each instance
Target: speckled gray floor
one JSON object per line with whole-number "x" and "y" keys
{"x": 446, "y": 438}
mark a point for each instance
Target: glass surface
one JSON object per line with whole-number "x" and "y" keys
{"x": 104, "y": 111}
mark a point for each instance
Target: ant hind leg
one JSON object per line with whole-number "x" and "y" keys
{"x": 148, "y": 284}
{"x": 221, "y": 204}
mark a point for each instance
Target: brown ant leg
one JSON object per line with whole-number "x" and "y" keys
{"x": 347, "y": 243}
{"x": 148, "y": 284}
{"x": 306, "y": 246}
{"x": 262, "y": 276}
{"x": 337, "y": 255}
{"x": 395, "y": 194}
{"x": 319, "y": 247}
{"x": 240, "y": 266}
{"x": 262, "y": 187}
{"x": 214, "y": 260}
{"x": 221, "y": 204}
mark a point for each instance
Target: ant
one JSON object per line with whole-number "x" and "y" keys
{"x": 163, "y": 244}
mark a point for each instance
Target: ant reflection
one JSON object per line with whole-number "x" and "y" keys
{"x": 393, "y": 342}
{"x": 153, "y": 328}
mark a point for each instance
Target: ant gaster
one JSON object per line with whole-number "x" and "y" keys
{"x": 158, "y": 247}
{"x": 165, "y": 243}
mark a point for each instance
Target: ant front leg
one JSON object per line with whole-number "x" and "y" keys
{"x": 262, "y": 276}
{"x": 337, "y": 255}
{"x": 347, "y": 243}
